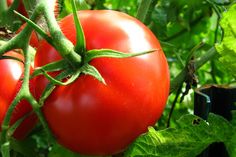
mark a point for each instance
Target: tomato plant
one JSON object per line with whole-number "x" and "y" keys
{"x": 90, "y": 117}
{"x": 11, "y": 73}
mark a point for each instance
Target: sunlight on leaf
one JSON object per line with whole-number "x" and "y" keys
{"x": 227, "y": 48}
{"x": 191, "y": 136}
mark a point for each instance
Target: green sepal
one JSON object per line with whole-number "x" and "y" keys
{"x": 51, "y": 67}
{"x": 58, "y": 82}
{"x": 5, "y": 149}
{"x": 99, "y": 53}
{"x": 91, "y": 70}
{"x": 10, "y": 57}
{"x": 80, "y": 46}
{"x": 39, "y": 30}
{"x": 51, "y": 86}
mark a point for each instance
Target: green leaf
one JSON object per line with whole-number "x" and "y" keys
{"x": 221, "y": 1}
{"x": 25, "y": 147}
{"x": 191, "y": 136}
{"x": 231, "y": 144}
{"x": 59, "y": 151}
{"x": 227, "y": 48}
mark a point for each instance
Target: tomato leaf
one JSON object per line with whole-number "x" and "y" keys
{"x": 25, "y": 147}
{"x": 231, "y": 144}
{"x": 227, "y": 48}
{"x": 191, "y": 136}
{"x": 60, "y": 151}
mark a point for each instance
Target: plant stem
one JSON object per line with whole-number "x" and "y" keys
{"x": 6, "y": 121}
{"x": 62, "y": 44}
{"x": 30, "y": 6}
{"x": 143, "y": 10}
{"x": 180, "y": 78}
{"x": 173, "y": 105}
{"x": 27, "y": 94}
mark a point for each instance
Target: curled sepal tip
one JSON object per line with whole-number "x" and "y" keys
{"x": 91, "y": 70}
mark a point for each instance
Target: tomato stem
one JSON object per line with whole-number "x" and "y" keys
{"x": 62, "y": 44}
{"x": 36, "y": 28}
{"x": 180, "y": 78}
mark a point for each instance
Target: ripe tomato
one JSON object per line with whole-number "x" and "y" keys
{"x": 90, "y": 117}
{"x": 11, "y": 72}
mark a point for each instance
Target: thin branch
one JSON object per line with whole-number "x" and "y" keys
{"x": 180, "y": 78}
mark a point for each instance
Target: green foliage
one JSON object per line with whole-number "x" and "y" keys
{"x": 231, "y": 144}
{"x": 227, "y": 48}
{"x": 190, "y": 137}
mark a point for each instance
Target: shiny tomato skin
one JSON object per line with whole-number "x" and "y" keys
{"x": 96, "y": 119}
{"x": 11, "y": 73}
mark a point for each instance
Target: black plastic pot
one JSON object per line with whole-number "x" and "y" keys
{"x": 219, "y": 100}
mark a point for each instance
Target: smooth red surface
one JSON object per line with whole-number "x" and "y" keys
{"x": 92, "y": 118}
{"x": 11, "y": 72}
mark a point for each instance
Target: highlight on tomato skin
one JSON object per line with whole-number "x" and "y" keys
{"x": 11, "y": 73}
{"x": 91, "y": 118}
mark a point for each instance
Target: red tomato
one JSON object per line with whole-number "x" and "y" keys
{"x": 92, "y": 118}
{"x": 11, "y": 72}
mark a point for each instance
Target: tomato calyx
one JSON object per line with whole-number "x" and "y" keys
{"x": 86, "y": 68}
{"x": 69, "y": 70}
